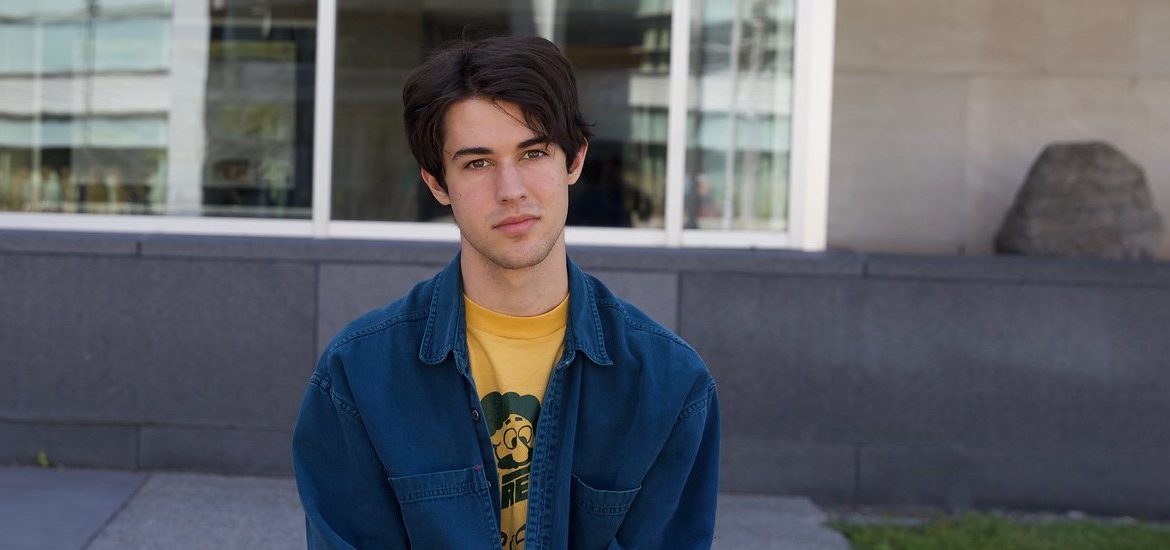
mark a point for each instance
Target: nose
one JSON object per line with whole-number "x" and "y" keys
{"x": 510, "y": 185}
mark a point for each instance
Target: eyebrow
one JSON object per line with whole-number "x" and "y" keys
{"x": 469, "y": 151}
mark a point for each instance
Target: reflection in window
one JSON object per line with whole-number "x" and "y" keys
{"x": 622, "y": 78}
{"x": 125, "y": 170}
{"x": 153, "y": 107}
{"x": 738, "y": 135}
{"x": 622, "y": 74}
{"x": 259, "y": 110}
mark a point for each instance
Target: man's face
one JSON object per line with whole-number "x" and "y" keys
{"x": 507, "y": 186}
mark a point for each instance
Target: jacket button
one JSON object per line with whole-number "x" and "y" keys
{"x": 474, "y": 415}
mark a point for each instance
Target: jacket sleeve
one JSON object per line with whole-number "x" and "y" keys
{"x": 675, "y": 507}
{"x": 347, "y": 498}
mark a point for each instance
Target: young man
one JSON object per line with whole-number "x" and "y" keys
{"x": 511, "y": 401}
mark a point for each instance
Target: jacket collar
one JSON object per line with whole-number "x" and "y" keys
{"x": 446, "y": 324}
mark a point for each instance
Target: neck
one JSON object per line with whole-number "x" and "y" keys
{"x": 520, "y": 292}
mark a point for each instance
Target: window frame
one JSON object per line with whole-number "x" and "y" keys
{"x": 808, "y": 167}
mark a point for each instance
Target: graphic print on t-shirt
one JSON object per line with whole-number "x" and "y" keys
{"x": 511, "y": 420}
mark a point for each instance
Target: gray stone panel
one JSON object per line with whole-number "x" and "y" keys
{"x": 222, "y": 450}
{"x": 88, "y": 445}
{"x": 1108, "y": 483}
{"x": 224, "y": 342}
{"x": 783, "y": 350}
{"x": 158, "y": 340}
{"x": 54, "y": 242}
{"x": 346, "y": 291}
{"x": 822, "y": 471}
{"x": 1013, "y": 366}
{"x": 68, "y": 331}
{"x": 656, "y": 294}
{"x": 981, "y": 365}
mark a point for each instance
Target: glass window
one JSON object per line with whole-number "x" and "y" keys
{"x": 157, "y": 107}
{"x": 206, "y": 108}
{"x": 622, "y": 74}
{"x": 739, "y": 117}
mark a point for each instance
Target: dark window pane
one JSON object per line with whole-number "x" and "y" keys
{"x": 622, "y": 75}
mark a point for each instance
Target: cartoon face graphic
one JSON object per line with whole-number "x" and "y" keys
{"x": 516, "y": 541}
{"x": 513, "y": 442}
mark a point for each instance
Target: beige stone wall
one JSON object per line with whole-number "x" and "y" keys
{"x": 940, "y": 107}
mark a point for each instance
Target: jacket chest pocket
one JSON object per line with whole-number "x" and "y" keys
{"x": 450, "y": 509}
{"x": 596, "y": 515}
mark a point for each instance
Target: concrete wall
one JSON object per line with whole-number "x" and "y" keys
{"x": 853, "y": 378}
{"x": 941, "y": 107}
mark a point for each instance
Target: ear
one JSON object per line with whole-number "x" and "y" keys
{"x": 437, "y": 190}
{"x": 578, "y": 163}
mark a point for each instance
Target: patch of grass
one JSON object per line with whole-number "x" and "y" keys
{"x": 976, "y": 531}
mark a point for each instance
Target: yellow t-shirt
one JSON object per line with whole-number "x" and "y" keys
{"x": 511, "y": 361}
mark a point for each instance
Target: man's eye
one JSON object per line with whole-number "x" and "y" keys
{"x": 477, "y": 164}
{"x": 534, "y": 154}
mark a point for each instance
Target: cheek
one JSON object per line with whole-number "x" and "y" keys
{"x": 459, "y": 198}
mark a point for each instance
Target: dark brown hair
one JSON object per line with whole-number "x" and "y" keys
{"x": 528, "y": 71}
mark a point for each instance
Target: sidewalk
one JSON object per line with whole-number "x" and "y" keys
{"x": 99, "y": 510}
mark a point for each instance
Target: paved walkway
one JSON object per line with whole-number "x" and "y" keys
{"x": 99, "y": 510}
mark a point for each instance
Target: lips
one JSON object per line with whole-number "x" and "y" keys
{"x": 515, "y": 225}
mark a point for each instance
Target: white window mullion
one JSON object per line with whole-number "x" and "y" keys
{"x": 178, "y": 225}
{"x": 812, "y": 106}
{"x": 676, "y": 128}
{"x": 323, "y": 116}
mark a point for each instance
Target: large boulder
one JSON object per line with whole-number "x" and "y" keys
{"x": 1085, "y": 200}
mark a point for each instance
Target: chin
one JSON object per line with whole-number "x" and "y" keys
{"x": 520, "y": 255}
{"x": 511, "y": 253}
{"x": 518, "y": 261}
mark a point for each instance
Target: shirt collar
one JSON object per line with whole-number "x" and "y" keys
{"x": 446, "y": 325}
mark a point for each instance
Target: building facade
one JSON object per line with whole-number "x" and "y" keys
{"x": 194, "y": 196}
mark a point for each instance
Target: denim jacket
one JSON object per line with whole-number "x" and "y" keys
{"x": 391, "y": 449}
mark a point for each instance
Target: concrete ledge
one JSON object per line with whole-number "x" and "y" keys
{"x": 297, "y": 249}
{"x": 786, "y": 262}
{"x": 425, "y": 253}
{"x": 53, "y": 242}
{"x": 1018, "y": 269}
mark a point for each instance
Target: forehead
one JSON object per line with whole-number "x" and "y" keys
{"x": 478, "y": 122}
